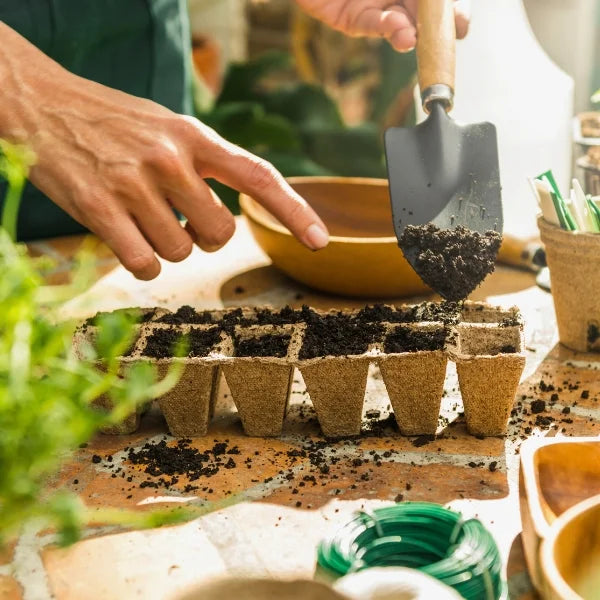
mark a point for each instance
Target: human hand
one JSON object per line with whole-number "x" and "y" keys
{"x": 389, "y": 19}
{"x": 118, "y": 164}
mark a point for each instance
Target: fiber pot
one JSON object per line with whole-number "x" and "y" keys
{"x": 574, "y": 262}
{"x": 489, "y": 363}
{"x": 260, "y": 386}
{"x": 86, "y": 336}
{"x": 187, "y": 406}
{"x": 415, "y": 384}
{"x": 336, "y": 385}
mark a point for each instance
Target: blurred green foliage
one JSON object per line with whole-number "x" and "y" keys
{"x": 297, "y": 126}
{"x": 47, "y": 391}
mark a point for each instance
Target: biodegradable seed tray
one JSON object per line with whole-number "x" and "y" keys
{"x": 258, "y": 349}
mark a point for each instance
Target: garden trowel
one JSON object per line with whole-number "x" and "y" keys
{"x": 440, "y": 171}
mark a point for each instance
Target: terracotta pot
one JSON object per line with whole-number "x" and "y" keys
{"x": 574, "y": 262}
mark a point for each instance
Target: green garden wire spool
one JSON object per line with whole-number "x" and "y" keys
{"x": 424, "y": 536}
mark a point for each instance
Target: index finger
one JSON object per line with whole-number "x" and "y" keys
{"x": 256, "y": 177}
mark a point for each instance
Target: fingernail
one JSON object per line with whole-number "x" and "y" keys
{"x": 316, "y": 237}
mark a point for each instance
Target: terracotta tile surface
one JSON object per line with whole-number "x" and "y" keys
{"x": 267, "y": 534}
{"x": 10, "y": 589}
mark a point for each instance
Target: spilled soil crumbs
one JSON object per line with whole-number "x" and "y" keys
{"x": 265, "y": 346}
{"x": 178, "y": 465}
{"x": 405, "y": 339}
{"x": 166, "y": 463}
{"x": 451, "y": 261}
{"x": 162, "y": 343}
{"x": 337, "y": 335}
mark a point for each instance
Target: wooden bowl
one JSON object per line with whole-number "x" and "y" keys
{"x": 570, "y": 554}
{"x": 558, "y": 478}
{"x": 362, "y": 259}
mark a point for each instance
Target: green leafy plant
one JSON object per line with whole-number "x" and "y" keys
{"x": 47, "y": 393}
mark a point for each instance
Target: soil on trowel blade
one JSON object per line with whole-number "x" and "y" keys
{"x": 451, "y": 261}
{"x": 266, "y": 346}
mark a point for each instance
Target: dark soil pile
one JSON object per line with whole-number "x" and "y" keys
{"x": 337, "y": 335}
{"x": 446, "y": 312}
{"x": 266, "y": 346}
{"x": 405, "y": 339}
{"x": 451, "y": 261}
{"x": 162, "y": 343}
{"x": 201, "y": 342}
{"x": 187, "y": 315}
{"x": 161, "y": 459}
{"x": 382, "y": 313}
{"x": 286, "y": 316}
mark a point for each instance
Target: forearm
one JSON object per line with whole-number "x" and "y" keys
{"x": 26, "y": 75}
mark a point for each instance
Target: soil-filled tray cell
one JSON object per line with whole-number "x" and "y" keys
{"x": 260, "y": 377}
{"x": 445, "y": 312}
{"x": 479, "y": 312}
{"x": 165, "y": 342}
{"x": 405, "y": 338}
{"x": 187, "y": 407}
{"x": 482, "y": 339}
{"x": 413, "y": 368}
{"x": 268, "y": 345}
{"x": 186, "y": 315}
{"x": 338, "y": 335}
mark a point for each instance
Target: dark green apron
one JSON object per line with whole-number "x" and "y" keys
{"x": 139, "y": 46}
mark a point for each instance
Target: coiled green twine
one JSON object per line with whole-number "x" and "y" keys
{"x": 435, "y": 540}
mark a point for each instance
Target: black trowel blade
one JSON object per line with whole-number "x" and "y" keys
{"x": 444, "y": 173}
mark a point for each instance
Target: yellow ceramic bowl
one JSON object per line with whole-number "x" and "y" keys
{"x": 570, "y": 555}
{"x": 362, "y": 258}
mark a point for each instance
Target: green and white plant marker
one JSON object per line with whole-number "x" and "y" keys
{"x": 594, "y": 210}
{"x": 585, "y": 220}
{"x": 543, "y": 194}
{"x": 561, "y": 207}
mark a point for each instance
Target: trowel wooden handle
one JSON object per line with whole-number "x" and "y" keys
{"x": 436, "y": 41}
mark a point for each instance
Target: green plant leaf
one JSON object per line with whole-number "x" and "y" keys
{"x": 305, "y": 105}
{"x": 242, "y": 79}
{"x": 353, "y": 152}
{"x": 248, "y": 125}
{"x": 228, "y": 196}
{"x": 397, "y": 72}
{"x": 295, "y": 164}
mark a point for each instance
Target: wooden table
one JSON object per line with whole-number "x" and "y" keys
{"x": 265, "y": 534}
